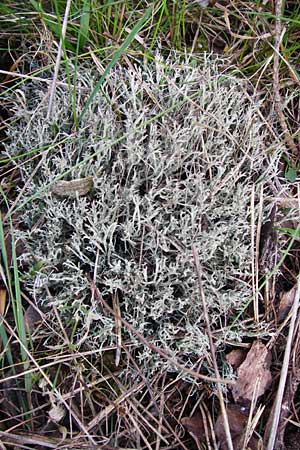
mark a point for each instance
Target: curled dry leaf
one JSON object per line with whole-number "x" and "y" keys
{"x": 80, "y": 187}
{"x": 57, "y": 413}
{"x": 254, "y": 376}
{"x": 236, "y": 357}
{"x": 286, "y": 302}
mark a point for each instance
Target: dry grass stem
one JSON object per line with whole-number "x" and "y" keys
{"x": 156, "y": 349}
{"x": 276, "y": 79}
{"x": 47, "y": 379}
{"x": 58, "y": 58}
{"x": 213, "y": 353}
{"x": 254, "y": 258}
{"x": 284, "y": 371}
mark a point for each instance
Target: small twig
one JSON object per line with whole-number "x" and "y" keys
{"x": 163, "y": 353}
{"x": 254, "y": 249}
{"x": 118, "y": 326}
{"x": 285, "y": 365}
{"x": 252, "y": 418}
{"x": 58, "y": 58}
{"x": 111, "y": 407}
{"x": 212, "y": 349}
{"x": 33, "y": 439}
{"x": 161, "y": 414}
{"x": 257, "y": 241}
{"x": 287, "y": 401}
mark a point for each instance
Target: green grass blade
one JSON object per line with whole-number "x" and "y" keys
{"x": 54, "y": 26}
{"x": 84, "y": 24}
{"x": 3, "y": 333}
{"x": 272, "y": 16}
{"x": 117, "y": 56}
{"x": 16, "y": 299}
{"x": 163, "y": 11}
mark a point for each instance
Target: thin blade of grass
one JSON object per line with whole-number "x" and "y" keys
{"x": 273, "y": 16}
{"x": 158, "y": 26}
{"x": 136, "y": 29}
{"x": 84, "y": 24}
{"x": 16, "y": 299}
{"x": 3, "y": 333}
{"x": 81, "y": 40}
{"x": 54, "y": 26}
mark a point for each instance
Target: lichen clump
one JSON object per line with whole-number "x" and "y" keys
{"x": 174, "y": 150}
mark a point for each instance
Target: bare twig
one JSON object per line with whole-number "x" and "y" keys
{"x": 161, "y": 413}
{"x": 213, "y": 353}
{"x": 257, "y": 241}
{"x": 105, "y": 412}
{"x": 252, "y": 418}
{"x": 118, "y": 326}
{"x": 163, "y": 353}
{"x": 254, "y": 249}
{"x": 278, "y": 404}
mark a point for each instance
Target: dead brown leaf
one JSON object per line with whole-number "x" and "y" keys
{"x": 286, "y": 302}
{"x": 237, "y": 419}
{"x": 236, "y": 357}
{"x": 2, "y": 300}
{"x": 197, "y": 429}
{"x": 254, "y": 376}
{"x": 32, "y": 318}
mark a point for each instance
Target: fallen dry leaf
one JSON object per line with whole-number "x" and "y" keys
{"x": 253, "y": 371}
{"x": 195, "y": 426}
{"x": 286, "y": 302}
{"x": 57, "y": 413}
{"x": 2, "y": 300}
{"x": 236, "y": 357}
{"x": 32, "y": 317}
{"x": 237, "y": 419}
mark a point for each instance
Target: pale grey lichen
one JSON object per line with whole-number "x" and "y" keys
{"x": 191, "y": 146}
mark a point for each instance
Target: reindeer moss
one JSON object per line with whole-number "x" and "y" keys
{"x": 174, "y": 150}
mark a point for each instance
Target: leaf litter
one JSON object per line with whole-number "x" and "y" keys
{"x": 253, "y": 374}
